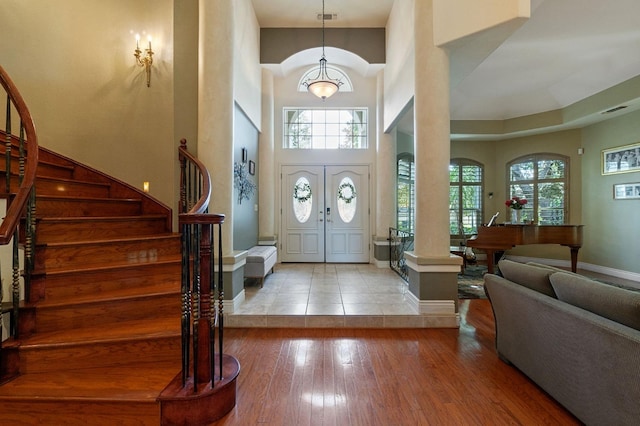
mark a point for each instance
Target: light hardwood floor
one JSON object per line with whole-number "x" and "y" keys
{"x": 385, "y": 377}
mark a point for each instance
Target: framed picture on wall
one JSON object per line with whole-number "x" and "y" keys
{"x": 623, "y": 159}
{"x": 252, "y": 167}
{"x": 244, "y": 155}
{"x": 626, "y": 191}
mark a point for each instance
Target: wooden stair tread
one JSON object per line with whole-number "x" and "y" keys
{"x": 87, "y": 199}
{"x": 73, "y": 181}
{"x": 119, "y": 240}
{"x": 142, "y": 382}
{"x": 135, "y": 218}
{"x": 106, "y": 332}
{"x": 123, "y": 264}
{"x": 116, "y": 295}
{"x": 58, "y": 165}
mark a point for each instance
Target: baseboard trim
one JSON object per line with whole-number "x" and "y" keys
{"x": 231, "y": 306}
{"x": 381, "y": 263}
{"x": 435, "y": 313}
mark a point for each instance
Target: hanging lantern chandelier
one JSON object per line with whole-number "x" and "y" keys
{"x": 322, "y": 85}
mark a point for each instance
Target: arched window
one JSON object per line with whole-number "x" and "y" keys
{"x": 466, "y": 182}
{"x": 543, "y": 179}
{"x": 406, "y": 185}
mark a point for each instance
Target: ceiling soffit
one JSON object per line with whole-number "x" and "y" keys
{"x": 278, "y": 44}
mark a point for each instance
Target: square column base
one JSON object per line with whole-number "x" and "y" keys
{"x": 381, "y": 251}
{"x": 434, "y": 283}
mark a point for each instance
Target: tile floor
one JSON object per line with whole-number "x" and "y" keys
{"x": 327, "y": 295}
{"x": 337, "y": 295}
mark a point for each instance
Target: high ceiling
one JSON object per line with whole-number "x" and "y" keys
{"x": 567, "y": 51}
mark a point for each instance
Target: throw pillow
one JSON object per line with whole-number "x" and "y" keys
{"x": 528, "y": 276}
{"x": 614, "y": 303}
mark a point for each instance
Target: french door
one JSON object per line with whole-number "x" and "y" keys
{"x": 325, "y": 214}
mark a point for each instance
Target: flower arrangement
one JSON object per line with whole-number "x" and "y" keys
{"x": 516, "y": 203}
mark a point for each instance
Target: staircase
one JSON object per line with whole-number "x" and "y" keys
{"x": 99, "y": 338}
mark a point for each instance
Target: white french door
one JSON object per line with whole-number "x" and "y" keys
{"x": 325, "y": 214}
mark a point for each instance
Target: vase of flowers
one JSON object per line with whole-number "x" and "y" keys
{"x": 516, "y": 204}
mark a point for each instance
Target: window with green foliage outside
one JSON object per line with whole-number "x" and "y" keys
{"x": 325, "y": 128}
{"x": 406, "y": 193}
{"x": 542, "y": 179}
{"x": 466, "y": 180}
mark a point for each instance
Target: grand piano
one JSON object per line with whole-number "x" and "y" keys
{"x": 499, "y": 238}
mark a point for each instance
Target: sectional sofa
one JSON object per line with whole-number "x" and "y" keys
{"x": 577, "y": 338}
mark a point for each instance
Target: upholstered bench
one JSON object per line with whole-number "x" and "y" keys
{"x": 260, "y": 260}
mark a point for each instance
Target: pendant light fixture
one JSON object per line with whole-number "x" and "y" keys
{"x": 322, "y": 85}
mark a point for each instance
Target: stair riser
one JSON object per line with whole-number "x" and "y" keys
{"x": 50, "y": 232}
{"x": 119, "y": 252}
{"x": 64, "y": 188}
{"x": 59, "y": 287}
{"x": 91, "y": 314}
{"x": 79, "y": 413}
{"x": 92, "y": 208}
{"x": 47, "y": 166}
{"x": 54, "y": 171}
{"x": 71, "y": 189}
{"x": 103, "y": 354}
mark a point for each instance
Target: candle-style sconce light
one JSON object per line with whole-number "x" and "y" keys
{"x": 145, "y": 60}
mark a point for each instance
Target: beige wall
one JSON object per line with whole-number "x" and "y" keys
{"x": 399, "y": 73}
{"x": 247, "y": 72}
{"x": 612, "y": 227}
{"x": 73, "y": 62}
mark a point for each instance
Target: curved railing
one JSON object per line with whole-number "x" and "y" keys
{"x": 21, "y": 161}
{"x": 202, "y": 285}
{"x": 399, "y": 243}
{"x": 27, "y": 166}
{"x": 195, "y": 182}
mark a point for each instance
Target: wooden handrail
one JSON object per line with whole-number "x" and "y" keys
{"x": 19, "y": 202}
{"x": 202, "y": 276}
{"x": 202, "y": 203}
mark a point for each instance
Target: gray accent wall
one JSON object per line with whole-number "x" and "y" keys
{"x": 245, "y": 215}
{"x": 277, "y": 44}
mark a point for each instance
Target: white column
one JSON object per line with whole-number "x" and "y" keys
{"x": 432, "y": 141}
{"x": 385, "y": 169}
{"x": 215, "y": 107}
{"x": 267, "y": 173}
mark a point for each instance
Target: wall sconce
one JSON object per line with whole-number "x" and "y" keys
{"x": 145, "y": 186}
{"x": 144, "y": 61}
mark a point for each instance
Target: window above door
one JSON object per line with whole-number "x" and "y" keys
{"x": 325, "y": 128}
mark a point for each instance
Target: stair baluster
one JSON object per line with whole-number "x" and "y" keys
{"x": 200, "y": 315}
